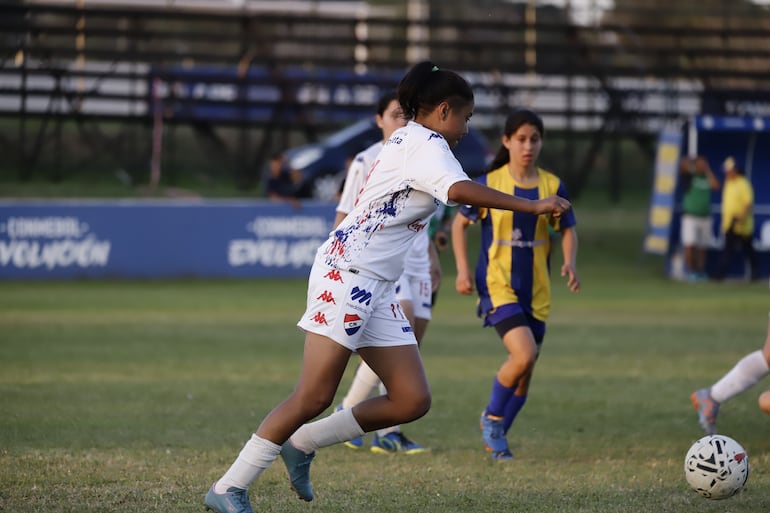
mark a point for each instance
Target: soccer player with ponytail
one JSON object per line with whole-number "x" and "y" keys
{"x": 351, "y": 299}
{"x": 513, "y": 269}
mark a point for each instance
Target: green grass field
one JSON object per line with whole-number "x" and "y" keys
{"x": 124, "y": 396}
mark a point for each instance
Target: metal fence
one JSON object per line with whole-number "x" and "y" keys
{"x": 70, "y": 71}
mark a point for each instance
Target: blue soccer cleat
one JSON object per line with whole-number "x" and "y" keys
{"x": 501, "y": 455}
{"x": 707, "y": 409}
{"x": 493, "y": 434}
{"x": 298, "y": 466}
{"x": 234, "y": 500}
{"x": 395, "y": 442}
{"x": 355, "y": 443}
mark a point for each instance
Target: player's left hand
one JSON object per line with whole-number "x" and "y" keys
{"x": 573, "y": 281}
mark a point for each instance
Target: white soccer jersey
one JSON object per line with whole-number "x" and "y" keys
{"x": 417, "y": 260}
{"x": 412, "y": 173}
{"x": 354, "y": 180}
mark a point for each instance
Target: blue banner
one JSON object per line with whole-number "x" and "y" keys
{"x": 159, "y": 239}
{"x": 732, "y": 123}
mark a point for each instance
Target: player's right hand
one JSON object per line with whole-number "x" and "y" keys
{"x": 464, "y": 284}
{"x": 554, "y": 205}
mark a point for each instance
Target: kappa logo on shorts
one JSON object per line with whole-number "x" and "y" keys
{"x": 327, "y": 297}
{"x": 352, "y": 324}
{"x": 334, "y": 275}
{"x": 361, "y": 295}
{"x": 319, "y": 318}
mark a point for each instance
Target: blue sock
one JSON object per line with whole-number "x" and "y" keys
{"x": 512, "y": 408}
{"x": 498, "y": 399}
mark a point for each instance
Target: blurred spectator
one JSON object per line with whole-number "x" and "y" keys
{"x": 282, "y": 183}
{"x": 737, "y": 219}
{"x": 699, "y": 181}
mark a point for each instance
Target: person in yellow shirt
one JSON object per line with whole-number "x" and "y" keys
{"x": 737, "y": 218}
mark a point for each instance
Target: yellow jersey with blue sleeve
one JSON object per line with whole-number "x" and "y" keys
{"x": 514, "y": 259}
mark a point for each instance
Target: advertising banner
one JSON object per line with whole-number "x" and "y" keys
{"x": 159, "y": 239}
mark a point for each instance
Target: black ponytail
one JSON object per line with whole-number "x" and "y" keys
{"x": 426, "y": 85}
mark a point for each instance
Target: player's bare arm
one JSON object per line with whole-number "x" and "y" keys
{"x": 472, "y": 193}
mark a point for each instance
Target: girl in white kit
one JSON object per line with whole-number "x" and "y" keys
{"x": 351, "y": 301}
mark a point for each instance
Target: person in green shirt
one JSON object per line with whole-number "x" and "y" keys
{"x": 699, "y": 181}
{"x": 737, "y": 218}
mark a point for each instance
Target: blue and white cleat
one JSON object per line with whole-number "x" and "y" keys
{"x": 493, "y": 434}
{"x": 707, "y": 409}
{"x": 395, "y": 442}
{"x": 234, "y": 500}
{"x": 298, "y": 465}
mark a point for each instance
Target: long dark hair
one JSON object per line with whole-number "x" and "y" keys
{"x": 425, "y": 86}
{"x": 515, "y": 120}
{"x": 384, "y": 101}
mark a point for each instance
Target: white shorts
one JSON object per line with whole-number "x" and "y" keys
{"x": 417, "y": 290}
{"x": 354, "y": 311}
{"x": 696, "y": 231}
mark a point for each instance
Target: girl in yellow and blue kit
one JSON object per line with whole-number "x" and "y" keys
{"x": 513, "y": 270}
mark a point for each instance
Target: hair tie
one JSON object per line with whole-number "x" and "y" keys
{"x": 435, "y": 68}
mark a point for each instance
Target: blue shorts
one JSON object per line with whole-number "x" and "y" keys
{"x": 506, "y": 317}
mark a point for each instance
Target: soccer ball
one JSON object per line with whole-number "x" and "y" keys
{"x": 716, "y": 466}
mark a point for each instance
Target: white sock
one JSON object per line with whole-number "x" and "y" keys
{"x": 746, "y": 373}
{"x": 340, "y": 426}
{"x": 363, "y": 383}
{"x": 254, "y": 458}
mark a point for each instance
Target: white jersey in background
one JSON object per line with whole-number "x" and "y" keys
{"x": 411, "y": 174}
{"x": 354, "y": 180}
{"x": 417, "y": 261}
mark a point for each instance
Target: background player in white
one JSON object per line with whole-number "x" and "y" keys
{"x": 745, "y": 374}
{"x": 414, "y": 287}
{"x": 351, "y": 301}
